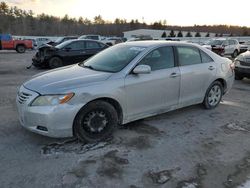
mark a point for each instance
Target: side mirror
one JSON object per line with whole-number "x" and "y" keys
{"x": 142, "y": 69}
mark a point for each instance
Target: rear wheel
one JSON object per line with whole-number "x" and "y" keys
{"x": 55, "y": 62}
{"x": 20, "y": 49}
{"x": 95, "y": 122}
{"x": 235, "y": 54}
{"x": 213, "y": 95}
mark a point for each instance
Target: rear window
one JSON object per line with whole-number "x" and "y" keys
{"x": 215, "y": 42}
{"x": 205, "y": 58}
{"x": 188, "y": 56}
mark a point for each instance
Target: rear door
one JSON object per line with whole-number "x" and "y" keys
{"x": 197, "y": 72}
{"x": 73, "y": 52}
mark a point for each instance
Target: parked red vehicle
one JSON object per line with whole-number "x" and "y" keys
{"x": 8, "y": 43}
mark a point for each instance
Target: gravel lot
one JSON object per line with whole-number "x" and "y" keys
{"x": 186, "y": 148}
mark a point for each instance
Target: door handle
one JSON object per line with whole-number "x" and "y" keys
{"x": 83, "y": 52}
{"x": 211, "y": 68}
{"x": 173, "y": 75}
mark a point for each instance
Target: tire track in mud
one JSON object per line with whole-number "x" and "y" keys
{"x": 73, "y": 146}
{"x": 140, "y": 141}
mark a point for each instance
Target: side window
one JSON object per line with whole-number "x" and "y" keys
{"x": 188, "y": 56}
{"x": 225, "y": 43}
{"x": 101, "y": 45}
{"x": 92, "y": 45}
{"x": 76, "y": 46}
{"x": 161, "y": 58}
{"x": 205, "y": 58}
{"x": 231, "y": 42}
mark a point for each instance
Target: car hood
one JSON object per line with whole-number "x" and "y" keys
{"x": 65, "y": 79}
{"x": 46, "y": 46}
{"x": 207, "y": 46}
{"x": 246, "y": 54}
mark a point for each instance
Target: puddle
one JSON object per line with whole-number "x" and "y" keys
{"x": 230, "y": 128}
{"x": 140, "y": 143}
{"x": 111, "y": 165}
{"x": 72, "y": 146}
{"x": 142, "y": 128}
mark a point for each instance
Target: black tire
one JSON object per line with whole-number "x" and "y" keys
{"x": 238, "y": 77}
{"x": 55, "y": 62}
{"x": 234, "y": 55}
{"x": 20, "y": 49}
{"x": 209, "y": 101}
{"x": 90, "y": 126}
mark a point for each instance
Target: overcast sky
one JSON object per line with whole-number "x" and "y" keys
{"x": 175, "y": 12}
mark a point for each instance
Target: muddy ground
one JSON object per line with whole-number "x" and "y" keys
{"x": 186, "y": 148}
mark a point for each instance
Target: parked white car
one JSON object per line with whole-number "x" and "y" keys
{"x": 124, "y": 83}
{"x": 244, "y": 46}
{"x": 223, "y": 46}
{"x": 109, "y": 41}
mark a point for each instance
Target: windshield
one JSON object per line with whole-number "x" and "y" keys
{"x": 215, "y": 42}
{"x": 62, "y": 45}
{"x": 113, "y": 59}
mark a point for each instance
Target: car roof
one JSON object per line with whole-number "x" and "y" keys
{"x": 73, "y": 40}
{"x": 155, "y": 43}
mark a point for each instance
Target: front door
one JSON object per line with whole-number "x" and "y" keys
{"x": 73, "y": 52}
{"x": 158, "y": 91}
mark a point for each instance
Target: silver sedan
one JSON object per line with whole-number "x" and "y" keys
{"x": 123, "y": 83}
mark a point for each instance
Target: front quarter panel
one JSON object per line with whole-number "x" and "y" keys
{"x": 111, "y": 88}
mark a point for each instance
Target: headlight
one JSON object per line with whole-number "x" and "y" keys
{"x": 236, "y": 62}
{"x": 52, "y": 100}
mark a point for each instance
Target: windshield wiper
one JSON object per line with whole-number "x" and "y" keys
{"x": 89, "y": 67}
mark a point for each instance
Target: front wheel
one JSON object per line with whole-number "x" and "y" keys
{"x": 234, "y": 55}
{"x": 213, "y": 95}
{"x": 95, "y": 122}
{"x": 55, "y": 62}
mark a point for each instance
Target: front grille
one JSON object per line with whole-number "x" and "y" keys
{"x": 245, "y": 63}
{"x": 23, "y": 97}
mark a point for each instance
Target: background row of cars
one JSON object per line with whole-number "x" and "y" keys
{"x": 72, "y": 49}
{"x": 38, "y": 42}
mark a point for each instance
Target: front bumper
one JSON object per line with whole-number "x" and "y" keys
{"x": 39, "y": 61}
{"x": 242, "y": 50}
{"x": 242, "y": 71}
{"x": 53, "y": 121}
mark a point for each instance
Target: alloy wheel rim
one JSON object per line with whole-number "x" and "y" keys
{"x": 214, "y": 95}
